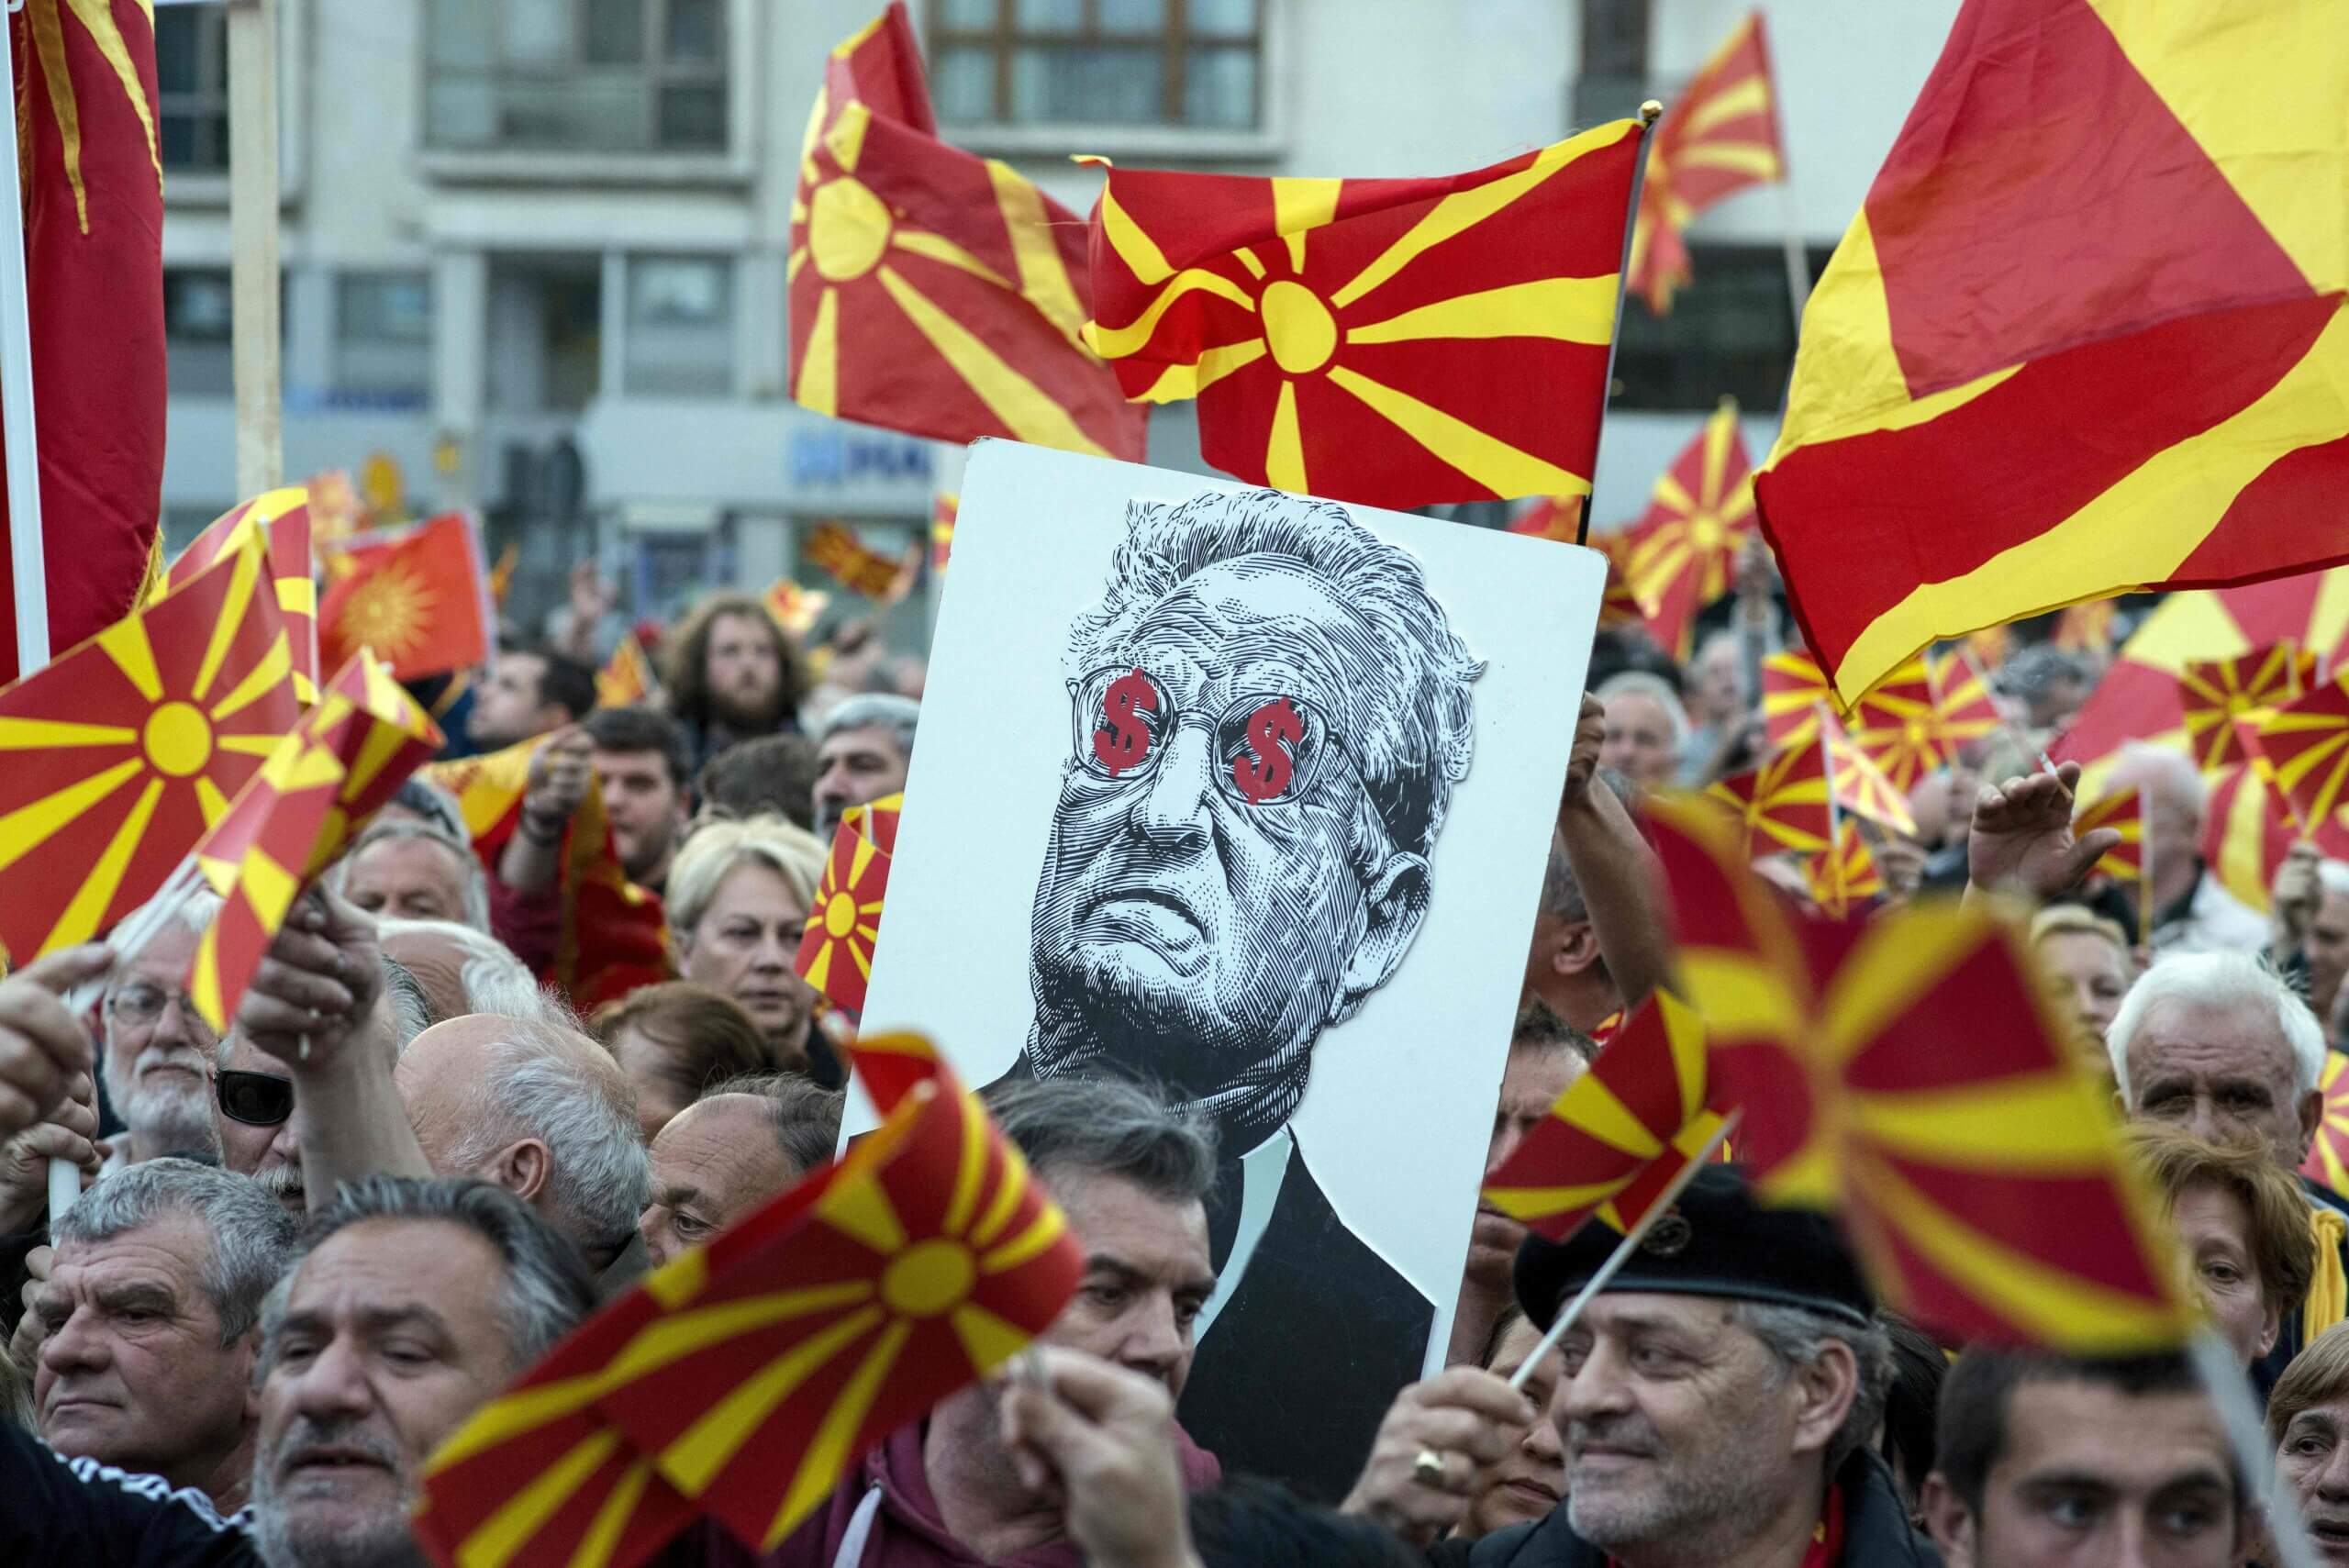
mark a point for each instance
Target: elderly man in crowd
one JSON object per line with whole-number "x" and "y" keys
{"x": 2191, "y": 911}
{"x": 1647, "y": 729}
{"x": 151, "y": 1315}
{"x": 730, "y": 1151}
{"x": 1132, "y": 1173}
{"x": 2045, "y": 1460}
{"x": 1720, "y": 1396}
{"x": 463, "y": 969}
{"x": 862, "y": 749}
{"x": 415, "y": 873}
{"x": 158, "y": 1047}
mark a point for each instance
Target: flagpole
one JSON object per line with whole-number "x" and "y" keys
{"x": 252, "y": 234}
{"x": 1650, "y": 112}
{"x": 2229, "y": 1391}
{"x": 1797, "y": 264}
{"x": 27, "y": 557}
{"x": 1624, "y": 1248}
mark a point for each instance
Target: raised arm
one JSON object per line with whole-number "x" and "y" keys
{"x": 1621, "y": 884}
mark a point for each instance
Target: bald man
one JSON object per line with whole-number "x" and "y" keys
{"x": 730, "y": 1151}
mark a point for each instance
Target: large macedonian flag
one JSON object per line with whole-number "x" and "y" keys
{"x": 312, "y": 797}
{"x": 933, "y": 292}
{"x": 2085, "y": 202}
{"x": 1720, "y": 136}
{"x": 1906, "y": 1071}
{"x": 283, "y": 519}
{"x": 1685, "y": 546}
{"x": 122, "y": 751}
{"x": 744, "y": 1377}
{"x": 1394, "y": 342}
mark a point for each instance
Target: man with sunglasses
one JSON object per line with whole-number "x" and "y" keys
{"x": 1269, "y": 712}
{"x": 255, "y": 1099}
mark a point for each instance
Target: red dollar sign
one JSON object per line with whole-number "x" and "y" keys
{"x": 1126, "y": 739}
{"x": 1265, "y": 772}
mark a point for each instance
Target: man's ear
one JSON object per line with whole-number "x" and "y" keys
{"x": 1576, "y": 949}
{"x": 522, "y": 1168}
{"x": 2311, "y": 1110}
{"x": 1948, "y": 1520}
{"x": 1395, "y": 901}
{"x": 1823, "y": 1391}
{"x": 249, "y": 1348}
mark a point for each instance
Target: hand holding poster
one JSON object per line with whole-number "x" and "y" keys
{"x": 1248, "y": 794}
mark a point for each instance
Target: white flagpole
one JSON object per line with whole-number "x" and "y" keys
{"x": 253, "y": 237}
{"x": 1797, "y": 264}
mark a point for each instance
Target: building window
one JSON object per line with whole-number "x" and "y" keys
{"x": 192, "y": 88}
{"x": 1731, "y": 332}
{"x": 578, "y": 75}
{"x": 1098, "y": 62}
{"x": 196, "y": 331}
{"x": 680, "y": 327}
{"x": 383, "y": 337}
{"x": 1614, "y": 76}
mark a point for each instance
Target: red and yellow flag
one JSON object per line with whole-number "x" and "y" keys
{"x": 1898, "y": 727}
{"x": 2219, "y": 695}
{"x": 122, "y": 751}
{"x": 1620, "y": 1133}
{"x": 836, "y": 550}
{"x": 794, "y": 608}
{"x": 1394, "y": 342}
{"x": 877, "y": 820}
{"x": 1908, "y": 1074}
{"x": 1685, "y": 546}
{"x": 1964, "y": 709}
{"x": 933, "y": 292}
{"x": 1784, "y": 803}
{"x": 1720, "y": 136}
{"x": 2248, "y": 829}
{"x": 626, "y": 677}
{"x": 419, "y": 597}
{"x": 501, "y": 574}
{"x": 92, "y": 194}
{"x": 2074, "y": 214}
{"x": 944, "y": 507}
{"x": 836, "y": 954}
{"x": 2306, "y": 743}
{"x": 283, "y": 519}
{"x": 1844, "y": 872}
{"x": 312, "y": 797}
{"x": 2123, "y": 811}
{"x": 2328, "y": 1159}
{"x": 1859, "y": 786}
{"x": 743, "y": 1378}
{"x": 1793, "y": 690}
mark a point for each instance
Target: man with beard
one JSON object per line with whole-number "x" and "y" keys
{"x": 1269, "y": 714}
{"x": 409, "y": 1305}
{"x": 158, "y": 1047}
{"x": 1718, "y": 1399}
{"x": 731, "y": 674}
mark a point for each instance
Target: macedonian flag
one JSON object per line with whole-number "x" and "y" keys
{"x": 836, "y": 954}
{"x": 418, "y": 597}
{"x": 1390, "y": 341}
{"x": 1685, "y": 546}
{"x": 312, "y": 797}
{"x": 743, "y": 1378}
{"x": 2328, "y": 1157}
{"x": 933, "y": 292}
{"x": 626, "y": 677}
{"x": 858, "y": 567}
{"x": 2306, "y": 741}
{"x": 283, "y": 519}
{"x": 1720, "y": 136}
{"x": 120, "y": 753}
{"x": 1907, "y": 1072}
{"x": 1617, "y": 1137}
{"x": 1785, "y": 802}
{"x": 1844, "y": 872}
{"x": 2226, "y": 700}
{"x": 2101, "y": 280}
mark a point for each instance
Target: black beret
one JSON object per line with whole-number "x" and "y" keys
{"x": 1714, "y": 1241}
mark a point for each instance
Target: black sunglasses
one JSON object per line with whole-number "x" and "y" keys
{"x": 257, "y": 1099}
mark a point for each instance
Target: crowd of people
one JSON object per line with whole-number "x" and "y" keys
{"x": 311, "y": 1246}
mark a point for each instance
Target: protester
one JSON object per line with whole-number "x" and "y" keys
{"x": 527, "y": 692}
{"x": 731, "y": 674}
{"x": 526, "y": 909}
{"x": 730, "y": 1151}
{"x": 675, "y": 1040}
{"x": 1647, "y": 729}
{"x": 1609, "y": 874}
{"x": 1719, "y": 1398}
{"x": 1531, "y": 1480}
{"x": 862, "y": 749}
{"x": 2047, "y": 1460}
{"x": 1718, "y": 703}
{"x": 414, "y": 872}
{"x": 421, "y": 800}
{"x": 738, "y": 896}
{"x": 2192, "y": 913}
{"x": 460, "y": 969}
{"x": 158, "y": 1047}
{"x": 2244, "y": 1225}
{"x": 642, "y": 766}
{"x": 1544, "y": 1057}
{"x": 150, "y": 1322}
{"x": 2309, "y": 907}
{"x": 2086, "y": 961}
{"x": 769, "y": 776}
{"x": 255, "y": 1101}
{"x": 2307, "y": 1421}
{"x": 1133, "y": 1173}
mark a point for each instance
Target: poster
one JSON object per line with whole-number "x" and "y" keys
{"x": 1250, "y": 793}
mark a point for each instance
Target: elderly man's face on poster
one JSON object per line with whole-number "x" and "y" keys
{"x": 1225, "y": 876}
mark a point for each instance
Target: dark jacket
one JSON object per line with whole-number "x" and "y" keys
{"x": 1877, "y": 1532}
{"x": 90, "y": 1515}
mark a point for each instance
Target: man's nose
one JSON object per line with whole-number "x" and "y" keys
{"x": 77, "y": 1346}
{"x": 1174, "y": 808}
{"x": 1541, "y": 1440}
{"x": 284, "y": 1144}
{"x": 1153, "y": 1344}
{"x": 2206, "y": 1123}
{"x": 1596, "y": 1389}
{"x": 334, "y": 1383}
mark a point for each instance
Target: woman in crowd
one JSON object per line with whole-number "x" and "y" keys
{"x": 2089, "y": 967}
{"x": 675, "y": 1040}
{"x": 2244, "y": 1225}
{"x": 738, "y": 896}
{"x": 1532, "y": 1480}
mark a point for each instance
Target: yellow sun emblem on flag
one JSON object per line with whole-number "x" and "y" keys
{"x": 385, "y": 611}
{"x": 47, "y": 24}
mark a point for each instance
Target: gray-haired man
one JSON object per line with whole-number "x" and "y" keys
{"x": 158, "y": 1047}
{"x": 1269, "y": 714}
{"x": 151, "y": 1315}
{"x": 862, "y": 749}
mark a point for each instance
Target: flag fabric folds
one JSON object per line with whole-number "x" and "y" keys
{"x": 2082, "y": 205}
{"x": 1907, "y": 1072}
{"x": 2225, "y": 699}
{"x": 419, "y": 597}
{"x": 312, "y": 797}
{"x": 1394, "y": 342}
{"x": 1618, "y": 1134}
{"x": 1844, "y": 872}
{"x": 92, "y": 196}
{"x": 2328, "y": 1158}
{"x": 794, "y": 608}
{"x": 1720, "y": 136}
{"x": 744, "y": 1377}
{"x": 2248, "y": 829}
{"x": 858, "y": 567}
{"x": 836, "y": 954}
{"x": 2123, "y": 811}
{"x": 930, "y": 291}
{"x": 1783, "y": 803}
{"x": 627, "y": 676}
{"x": 283, "y": 519}
{"x": 1685, "y": 546}
{"x": 122, "y": 751}
{"x": 2306, "y": 743}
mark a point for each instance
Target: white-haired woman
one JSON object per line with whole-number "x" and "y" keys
{"x": 738, "y": 896}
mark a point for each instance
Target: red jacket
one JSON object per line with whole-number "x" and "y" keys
{"x": 905, "y": 1529}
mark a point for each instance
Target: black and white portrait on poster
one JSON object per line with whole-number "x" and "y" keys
{"x": 1265, "y": 785}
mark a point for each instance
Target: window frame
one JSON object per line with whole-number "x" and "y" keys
{"x": 338, "y": 338}
{"x": 202, "y": 101}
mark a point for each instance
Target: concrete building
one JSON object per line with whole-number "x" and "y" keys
{"x": 534, "y": 249}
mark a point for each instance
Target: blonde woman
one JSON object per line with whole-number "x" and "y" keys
{"x": 738, "y": 896}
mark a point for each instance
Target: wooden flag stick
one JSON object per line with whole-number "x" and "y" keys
{"x": 2230, "y": 1390}
{"x": 1625, "y": 1248}
{"x": 1650, "y": 112}
{"x": 254, "y": 234}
